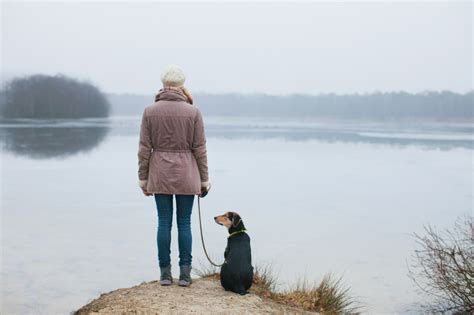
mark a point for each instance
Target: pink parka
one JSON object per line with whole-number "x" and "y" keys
{"x": 172, "y": 155}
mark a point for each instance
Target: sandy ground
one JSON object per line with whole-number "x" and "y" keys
{"x": 204, "y": 296}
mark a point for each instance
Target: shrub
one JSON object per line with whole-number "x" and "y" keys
{"x": 443, "y": 267}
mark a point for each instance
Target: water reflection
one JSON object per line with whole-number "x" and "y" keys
{"x": 50, "y": 139}
{"x": 61, "y": 138}
{"x": 437, "y": 136}
{"x": 440, "y": 139}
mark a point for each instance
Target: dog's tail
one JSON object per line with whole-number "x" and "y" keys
{"x": 240, "y": 289}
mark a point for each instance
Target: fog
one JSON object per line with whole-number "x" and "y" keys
{"x": 275, "y": 48}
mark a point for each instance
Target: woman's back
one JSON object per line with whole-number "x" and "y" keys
{"x": 171, "y": 123}
{"x": 172, "y": 151}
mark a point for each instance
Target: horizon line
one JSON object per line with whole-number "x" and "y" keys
{"x": 254, "y": 93}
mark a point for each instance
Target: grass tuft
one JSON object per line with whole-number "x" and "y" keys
{"x": 329, "y": 296}
{"x": 264, "y": 281}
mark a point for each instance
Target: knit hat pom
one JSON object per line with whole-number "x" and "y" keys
{"x": 173, "y": 75}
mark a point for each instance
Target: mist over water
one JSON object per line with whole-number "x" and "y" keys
{"x": 336, "y": 130}
{"x": 317, "y": 196}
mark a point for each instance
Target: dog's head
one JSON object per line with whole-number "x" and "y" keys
{"x": 230, "y": 220}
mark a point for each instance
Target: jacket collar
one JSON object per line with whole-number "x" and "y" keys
{"x": 170, "y": 93}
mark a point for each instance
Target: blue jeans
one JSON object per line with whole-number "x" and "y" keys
{"x": 184, "y": 207}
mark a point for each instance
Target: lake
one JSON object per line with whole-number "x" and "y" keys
{"x": 316, "y": 196}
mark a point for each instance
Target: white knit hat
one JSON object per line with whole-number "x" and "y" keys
{"x": 173, "y": 75}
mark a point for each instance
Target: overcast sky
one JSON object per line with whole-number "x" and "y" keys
{"x": 275, "y": 48}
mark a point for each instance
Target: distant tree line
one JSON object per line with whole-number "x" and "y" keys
{"x": 42, "y": 96}
{"x": 444, "y": 105}
{"x": 393, "y": 105}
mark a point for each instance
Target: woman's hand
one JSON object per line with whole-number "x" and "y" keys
{"x": 205, "y": 187}
{"x": 146, "y": 193}
{"x": 142, "y": 184}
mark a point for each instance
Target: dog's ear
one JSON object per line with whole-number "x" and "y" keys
{"x": 236, "y": 219}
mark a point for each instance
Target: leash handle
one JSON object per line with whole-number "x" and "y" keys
{"x": 202, "y": 237}
{"x": 204, "y": 193}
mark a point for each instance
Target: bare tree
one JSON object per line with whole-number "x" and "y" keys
{"x": 443, "y": 267}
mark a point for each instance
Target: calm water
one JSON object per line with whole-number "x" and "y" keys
{"x": 316, "y": 197}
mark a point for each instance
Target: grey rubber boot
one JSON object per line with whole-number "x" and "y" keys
{"x": 166, "y": 278}
{"x": 185, "y": 276}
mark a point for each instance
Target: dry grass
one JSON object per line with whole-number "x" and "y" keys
{"x": 329, "y": 296}
{"x": 207, "y": 271}
{"x": 264, "y": 281}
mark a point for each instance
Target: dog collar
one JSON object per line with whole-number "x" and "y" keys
{"x": 236, "y": 232}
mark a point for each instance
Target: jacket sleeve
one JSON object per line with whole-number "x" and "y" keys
{"x": 199, "y": 148}
{"x": 144, "y": 151}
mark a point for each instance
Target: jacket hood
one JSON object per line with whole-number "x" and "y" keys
{"x": 170, "y": 94}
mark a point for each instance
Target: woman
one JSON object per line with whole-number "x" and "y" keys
{"x": 172, "y": 160}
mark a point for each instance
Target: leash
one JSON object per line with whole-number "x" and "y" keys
{"x": 202, "y": 237}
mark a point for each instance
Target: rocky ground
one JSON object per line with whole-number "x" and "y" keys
{"x": 204, "y": 296}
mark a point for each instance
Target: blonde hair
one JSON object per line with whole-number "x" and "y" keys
{"x": 187, "y": 94}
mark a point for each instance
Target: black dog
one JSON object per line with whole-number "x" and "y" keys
{"x": 237, "y": 270}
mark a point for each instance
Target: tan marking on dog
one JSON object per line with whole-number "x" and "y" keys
{"x": 224, "y": 220}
